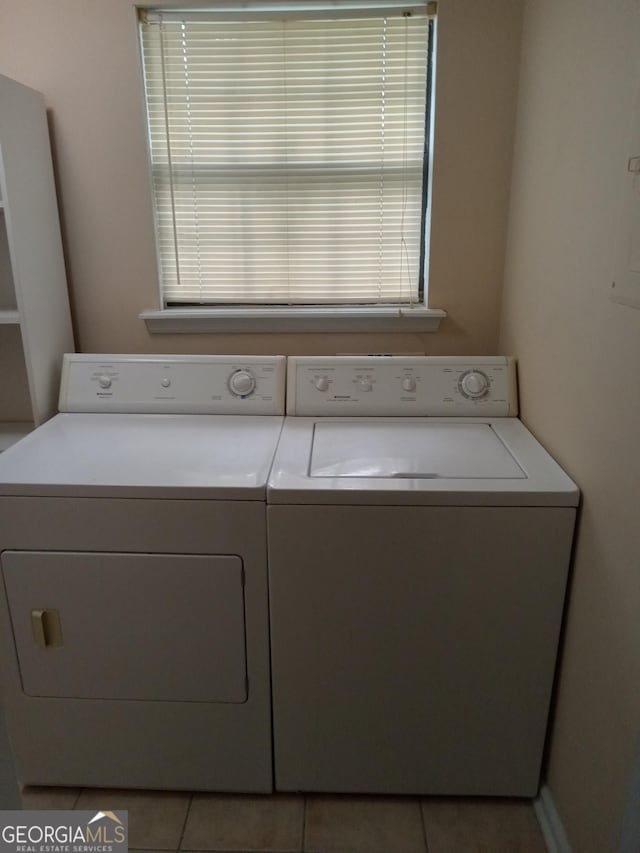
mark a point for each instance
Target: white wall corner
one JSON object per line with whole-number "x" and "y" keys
{"x": 550, "y": 823}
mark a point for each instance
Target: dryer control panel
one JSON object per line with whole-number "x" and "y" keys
{"x": 419, "y": 386}
{"x": 173, "y": 384}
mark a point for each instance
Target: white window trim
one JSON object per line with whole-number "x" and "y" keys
{"x": 241, "y": 319}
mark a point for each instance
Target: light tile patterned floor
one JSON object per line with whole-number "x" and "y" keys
{"x": 164, "y": 821}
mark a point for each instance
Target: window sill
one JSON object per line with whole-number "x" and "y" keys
{"x": 299, "y": 319}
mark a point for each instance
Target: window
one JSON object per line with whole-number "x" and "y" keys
{"x": 288, "y": 152}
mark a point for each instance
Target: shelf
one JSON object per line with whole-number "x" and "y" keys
{"x": 9, "y": 316}
{"x": 10, "y": 432}
{"x": 35, "y": 322}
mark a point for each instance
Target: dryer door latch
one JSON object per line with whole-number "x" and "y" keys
{"x": 46, "y": 628}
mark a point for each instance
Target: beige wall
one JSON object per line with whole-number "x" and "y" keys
{"x": 579, "y": 361}
{"x": 83, "y": 55}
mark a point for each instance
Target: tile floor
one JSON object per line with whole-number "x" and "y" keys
{"x": 167, "y": 821}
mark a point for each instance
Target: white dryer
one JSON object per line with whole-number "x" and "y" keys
{"x": 134, "y": 606}
{"x": 419, "y": 544}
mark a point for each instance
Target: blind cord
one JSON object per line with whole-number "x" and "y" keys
{"x": 404, "y": 249}
{"x": 287, "y": 245}
{"x": 194, "y": 193}
{"x": 382, "y": 156}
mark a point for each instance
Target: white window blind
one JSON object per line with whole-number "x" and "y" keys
{"x": 287, "y": 154}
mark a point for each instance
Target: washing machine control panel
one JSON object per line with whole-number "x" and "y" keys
{"x": 396, "y": 385}
{"x": 209, "y": 384}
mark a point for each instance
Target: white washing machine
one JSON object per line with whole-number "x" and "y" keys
{"x": 419, "y": 544}
{"x": 134, "y": 605}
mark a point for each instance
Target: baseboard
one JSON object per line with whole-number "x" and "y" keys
{"x": 552, "y": 829}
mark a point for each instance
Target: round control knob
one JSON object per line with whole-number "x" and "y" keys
{"x": 365, "y": 385}
{"x": 165, "y": 382}
{"x": 409, "y": 383}
{"x": 104, "y": 381}
{"x": 474, "y": 384}
{"x": 241, "y": 383}
{"x": 321, "y": 383}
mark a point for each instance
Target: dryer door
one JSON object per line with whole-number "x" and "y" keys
{"x": 128, "y": 626}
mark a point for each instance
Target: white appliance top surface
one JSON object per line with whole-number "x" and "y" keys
{"x": 415, "y": 461}
{"x": 161, "y": 456}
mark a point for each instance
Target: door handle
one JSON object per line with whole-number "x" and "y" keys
{"x": 46, "y": 628}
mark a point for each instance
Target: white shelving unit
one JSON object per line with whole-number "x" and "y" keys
{"x": 35, "y": 321}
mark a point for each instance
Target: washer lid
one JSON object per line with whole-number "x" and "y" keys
{"x": 415, "y": 462}
{"x": 410, "y": 450}
{"x": 224, "y": 457}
